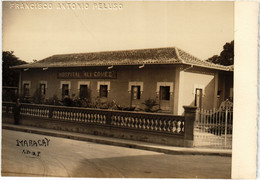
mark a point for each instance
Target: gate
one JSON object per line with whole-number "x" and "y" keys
{"x": 213, "y": 128}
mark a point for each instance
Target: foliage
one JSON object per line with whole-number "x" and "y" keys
{"x": 71, "y": 102}
{"x": 67, "y": 101}
{"x": 10, "y": 76}
{"x": 9, "y": 95}
{"x": 150, "y": 105}
{"x": 38, "y": 98}
{"x": 25, "y": 99}
{"x": 118, "y": 107}
{"x": 84, "y": 102}
{"x": 226, "y": 57}
{"x": 125, "y": 108}
{"x": 102, "y": 103}
{"x": 54, "y": 100}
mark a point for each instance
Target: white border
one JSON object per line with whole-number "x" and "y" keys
{"x": 245, "y": 91}
{"x": 135, "y": 83}
{"x": 164, "y": 84}
{"x": 65, "y": 82}
{"x": 103, "y": 83}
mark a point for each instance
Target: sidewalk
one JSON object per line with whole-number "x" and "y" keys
{"x": 120, "y": 142}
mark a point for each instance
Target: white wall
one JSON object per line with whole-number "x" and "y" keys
{"x": 189, "y": 81}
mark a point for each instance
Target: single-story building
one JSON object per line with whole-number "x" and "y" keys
{"x": 170, "y": 76}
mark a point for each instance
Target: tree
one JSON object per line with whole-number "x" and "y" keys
{"x": 10, "y": 76}
{"x": 226, "y": 57}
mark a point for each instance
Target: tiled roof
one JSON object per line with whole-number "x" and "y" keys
{"x": 169, "y": 55}
{"x": 192, "y": 60}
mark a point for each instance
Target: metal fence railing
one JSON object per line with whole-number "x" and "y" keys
{"x": 213, "y": 128}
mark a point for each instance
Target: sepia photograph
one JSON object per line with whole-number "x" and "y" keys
{"x": 117, "y": 89}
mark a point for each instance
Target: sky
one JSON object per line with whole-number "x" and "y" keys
{"x": 36, "y": 30}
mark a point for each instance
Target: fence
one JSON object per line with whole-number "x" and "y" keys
{"x": 213, "y": 128}
{"x": 149, "y": 122}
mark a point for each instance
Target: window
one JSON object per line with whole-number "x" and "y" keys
{"x": 65, "y": 90}
{"x": 103, "y": 87}
{"x": 103, "y": 91}
{"x": 137, "y": 88}
{"x": 26, "y": 88}
{"x": 169, "y": 88}
{"x": 43, "y": 89}
{"x": 164, "y": 92}
{"x": 83, "y": 88}
{"x": 198, "y": 97}
{"x": 136, "y": 92}
{"x": 83, "y": 91}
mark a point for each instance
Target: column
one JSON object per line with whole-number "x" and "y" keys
{"x": 189, "y": 115}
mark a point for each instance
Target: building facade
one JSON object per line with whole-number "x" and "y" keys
{"x": 170, "y": 76}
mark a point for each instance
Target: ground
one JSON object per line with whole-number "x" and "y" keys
{"x": 70, "y": 158}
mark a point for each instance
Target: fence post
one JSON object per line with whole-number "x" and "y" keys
{"x": 189, "y": 119}
{"x": 108, "y": 120}
{"x": 51, "y": 112}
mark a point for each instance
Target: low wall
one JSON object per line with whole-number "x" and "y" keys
{"x": 161, "y": 129}
{"x": 101, "y": 130}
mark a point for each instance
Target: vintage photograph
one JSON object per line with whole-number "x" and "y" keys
{"x": 120, "y": 89}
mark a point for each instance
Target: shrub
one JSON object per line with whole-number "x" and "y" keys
{"x": 9, "y": 95}
{"x": 67, "y": 101}
{"x": 118, "y": 107}
{"x": 102, "y": 103}
{"x": 38, "y": 98}
{"x": 54, "y": 100}
{"x": 84, "y": 102}
{"x": 150, "y": 105}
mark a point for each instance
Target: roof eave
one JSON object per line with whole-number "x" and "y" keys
{"x": 119, "y": 64}
{"x": 17, "y": 67}
{"x": 216, "y": 68}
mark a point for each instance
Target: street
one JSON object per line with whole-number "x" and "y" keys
{"x": 25, "y": 154}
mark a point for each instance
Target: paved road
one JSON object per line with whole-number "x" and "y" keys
{"x": 70, "y": 158}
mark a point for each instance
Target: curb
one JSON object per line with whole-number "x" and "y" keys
{"x": 188, "y": 151}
